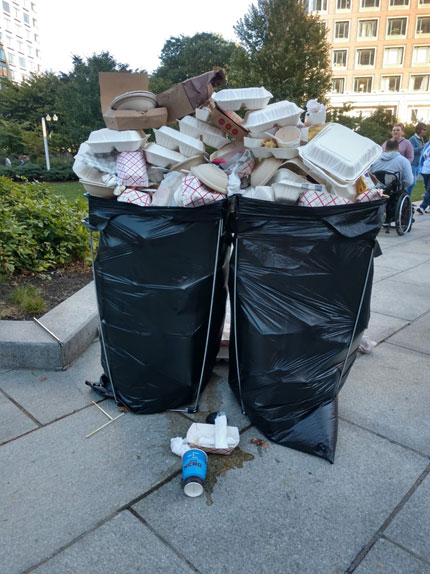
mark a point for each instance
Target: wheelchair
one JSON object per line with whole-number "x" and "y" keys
{"x": 398, "y": 209}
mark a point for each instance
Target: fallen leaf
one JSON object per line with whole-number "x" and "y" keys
{"x": 42, "y": 379}
{"x": 260, "y": 442}
{"x": 379, "y": 565}
{"x": 123, "y": 409}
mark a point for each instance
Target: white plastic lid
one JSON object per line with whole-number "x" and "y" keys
{"x": 193, "y": 489}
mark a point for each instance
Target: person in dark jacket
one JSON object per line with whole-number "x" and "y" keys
{"x": 418, "y": 143}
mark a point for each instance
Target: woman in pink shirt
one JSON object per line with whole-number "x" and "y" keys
{"x": 405, "y": 147}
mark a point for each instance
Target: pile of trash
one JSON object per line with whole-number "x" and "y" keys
{"x": 277, "y": 152}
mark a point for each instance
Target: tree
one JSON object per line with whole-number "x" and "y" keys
{"x": 378, "y": 126}
{"x": 184, "y": 57}
{"x": 284, "y": 49}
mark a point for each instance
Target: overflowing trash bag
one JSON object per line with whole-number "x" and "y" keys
{"x": 160, "y": 277}
{"x": 300, "y": 287}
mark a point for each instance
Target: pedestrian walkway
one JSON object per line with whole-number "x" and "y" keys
{"x": 113, "y": 502}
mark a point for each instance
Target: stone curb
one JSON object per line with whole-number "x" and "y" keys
{"x": 69, "y": 329}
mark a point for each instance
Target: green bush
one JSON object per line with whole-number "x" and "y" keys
{"x": 39, "y": 230}
{"x": 35, "y": 171}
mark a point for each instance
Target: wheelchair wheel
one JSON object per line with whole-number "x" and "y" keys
{"x": 403, "y": 214}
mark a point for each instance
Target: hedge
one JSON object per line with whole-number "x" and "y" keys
{"x": 35, "y": 171}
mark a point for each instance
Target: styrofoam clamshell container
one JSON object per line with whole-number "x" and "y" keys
{"x": 250, "y": 143}
{"x": 87, "y": 172}
{"x": 106, "y": 140}
{"x": 348, "y": 190}
{"x": 285, "y": 152}
{"x": 210, "y": 135}
{"x": 341, "y": 152}
{"x": 281, "y": 114}
{"x": 161, "y": 156}
{"x": 173, "y": 139}
{"x": 203, "y": 114}
{"x": 232, "y": 99}
{"x": 262, "y": 152}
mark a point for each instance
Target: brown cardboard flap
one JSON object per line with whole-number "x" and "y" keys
{"x": 133, "y": 120}
{"x": 113, "y": 84}
{"x": 229, "y": 122}
{"x": 200, "y": 88}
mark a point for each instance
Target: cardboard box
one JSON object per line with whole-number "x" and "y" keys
{"x": 229, "y": 122}
{"x": 184, "y": 98}
{"x": 113, "y": 84}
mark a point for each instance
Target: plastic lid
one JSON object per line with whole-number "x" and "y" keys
{"x": 193, "y": 489}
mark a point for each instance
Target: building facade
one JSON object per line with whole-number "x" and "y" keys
{"x": 380, "y": 55}
{"x": 19, "y": 39}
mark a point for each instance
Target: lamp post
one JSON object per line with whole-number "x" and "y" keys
{"x": 45, "y": 137}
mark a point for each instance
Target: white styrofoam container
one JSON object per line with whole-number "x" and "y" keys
{"x": 106, "y": 140}
{"x": 203, "y": 114}
{"x": 199, "y": 431}
{"x": 173, "y": 139}
{"x": 210, "y": 135}
{"x": 87, "y": 172}
{"x": 160, "y": 156}
{"x": 281, "y": 114}
{"x": 250, "y": 143}
{"x": 262, "y": 152}
{"x": 348, "y": 190}
{"x": 341, "y": 152}
{"x": 285, "y": 152}
{"x": 232, "y": 99}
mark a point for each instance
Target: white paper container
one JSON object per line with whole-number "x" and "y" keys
{"x": 189, "y": 126}
{"x": 348, "y": 190}
{"x": 210, "y": 135}
{"x": 263, "y": 192}
{"x": 87, "y": 172}
{"x": 285, "y": 174}
{"x": 287, "y": 192}
{"x": 251, "y": 143}
{"x": 252, "y": 98}
{"x": 97, "y": 189}
{"x": 285, "y": 152}
{"x": 341, "y": 152}
{"x": 203, "y": 114}
{"x": 173, "y": 139}
{"x": 198, "y": 430}
{"x": 281, "y": 114}
{"x": 262, "y": 152}
{"x": 106, "y": 140}
{"x": 160, "y": 156}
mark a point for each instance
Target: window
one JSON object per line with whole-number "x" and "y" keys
{"x": 421, "y": 55}
{"x": 390, "y": 83}
{"x": 3, "y": 70}
{"x": 2, "y": 54}
{"x": 343, "y": 5}
{"x": 369, "y": 4}
{"x": 319, "y": 5}
{"x": 399, "y": 3}
{"x": 339, "y": 58}
{"x": 18, "y": 31}
{"x": 11, "y": 57}
{"x": 20, "y": 46}
{"x": 419, "y": 83}
{"x": 423, "y": 25}
{"x": 26, "y": 18}
{"x": 338, "y": 85}
{"x": 367, "y": 29}
{"x": 9, "y": 40}
{"x": 21, "y": 62}
{"x": 365, "y": 57}
{"x": 394, "y": 56}
{"x": 423, "y": 3}
{"x": 363, "y": 84}
{"x": 6, "y": 7}
{"x": 341, "y": 30}
{"x": 396, "y": 26}
{"x": 11, "y": 74}
{"x": 37, "y": 53}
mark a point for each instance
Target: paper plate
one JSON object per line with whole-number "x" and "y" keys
{"x": 212, "y": 176}
{"x": 189, "y": 163}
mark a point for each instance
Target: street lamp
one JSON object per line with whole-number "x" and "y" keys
{"x": 45, "y": 137}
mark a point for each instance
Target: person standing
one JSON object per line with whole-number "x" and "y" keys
{"x": 417, "y": 141}
{"x": 405, "y": 146}
{"x": 7, "y": 162}
{"x": 424, "y": 168}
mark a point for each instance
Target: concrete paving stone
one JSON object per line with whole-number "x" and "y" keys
{"x": 385, "y": 556}
{"x": 387, "y": 393}
{"x": 381, "y": 273}
{"x": 418, "y": 275}
{"x": 389, "y": 297}
{"x": 390, "y": 259}
{"x": 13, "y": 422}
{"x": 419, "y": 245}
{"x": 122, "y": 545}
{"x": 286, "y": 511}
{"x": 57, "y": 484}
{"x": 415, "y": 336}
{"x": 48, "y": 395}
{"x": 411, "y": 527}
{"x": 383, "y": 326}
{"x": 217, "y": 396}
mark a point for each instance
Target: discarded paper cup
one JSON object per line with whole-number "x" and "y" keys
{"x": 194, "y": 464}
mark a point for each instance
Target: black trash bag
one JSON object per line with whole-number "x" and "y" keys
{"x": 154, "y": 276}
{"x": 300, "y": 286}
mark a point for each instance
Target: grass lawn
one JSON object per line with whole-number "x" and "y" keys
{"x": 418, "y": 191}
{"x": 70, "y": 190}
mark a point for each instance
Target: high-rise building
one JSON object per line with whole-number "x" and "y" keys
{"x": 19, "y": 39}
{"x": 380, "y": 55}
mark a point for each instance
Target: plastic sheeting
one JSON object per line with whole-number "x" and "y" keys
{"x": 300, "y": 286}
{"x": 154, "y": 276}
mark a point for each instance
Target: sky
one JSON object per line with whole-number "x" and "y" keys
{"x": 132, "y": 31}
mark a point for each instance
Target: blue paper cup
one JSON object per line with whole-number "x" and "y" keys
{"x": 194, "y": 465}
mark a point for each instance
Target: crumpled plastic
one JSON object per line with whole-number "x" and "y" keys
{"x": 179, "y": 446}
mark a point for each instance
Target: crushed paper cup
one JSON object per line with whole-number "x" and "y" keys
{"x": 136, "y": 197}
{"x": 321, "y": 199}
{"x": 131, "y": 169}
{"x": 193, "y": 193}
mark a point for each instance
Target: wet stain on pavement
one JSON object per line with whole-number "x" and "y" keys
{"x": 219, "y": 465}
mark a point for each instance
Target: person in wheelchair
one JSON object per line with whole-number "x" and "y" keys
{"x": 391, "y": 161}
{"x": 395, "y": 173}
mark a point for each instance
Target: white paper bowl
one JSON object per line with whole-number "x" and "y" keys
{"x": 212, "y": 176}
{"x": 97, "y": 189}
{"x": 140, "y": 101}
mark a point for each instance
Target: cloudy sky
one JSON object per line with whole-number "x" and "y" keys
{"x": 133, "y": 31}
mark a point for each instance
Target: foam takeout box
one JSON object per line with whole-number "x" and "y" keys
{"x": 113, "y": 84}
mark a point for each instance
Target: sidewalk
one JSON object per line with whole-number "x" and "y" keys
{"x": 113, "y": 503}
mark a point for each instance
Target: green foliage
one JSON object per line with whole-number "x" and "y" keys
{"x": 184, "y": 57}
{"x": 378, "y": 126}
{"x": 283, "y": 48}
{"x": 343, "y": 116}
{"x": 28, "y": 299}
{"x": 34, "y": 171}
{"x": 39, "y": 230}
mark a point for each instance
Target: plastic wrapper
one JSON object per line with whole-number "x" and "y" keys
{"x": 154, "y": 276}
{"x": 300, "y": 285}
